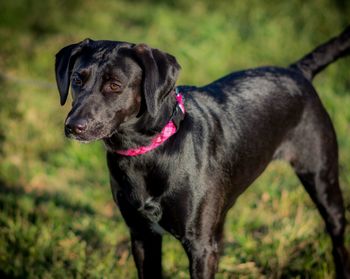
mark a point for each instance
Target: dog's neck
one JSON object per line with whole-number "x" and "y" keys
{"x": 141, "y": 131}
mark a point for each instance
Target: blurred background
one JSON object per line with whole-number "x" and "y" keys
{"x": 57, "y": 216}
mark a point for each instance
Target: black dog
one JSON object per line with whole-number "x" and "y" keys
{"x": 228, "y": 133}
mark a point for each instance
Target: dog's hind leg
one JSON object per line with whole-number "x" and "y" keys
{"x": 323, "y": 189}
{"x": 313, "y": 152}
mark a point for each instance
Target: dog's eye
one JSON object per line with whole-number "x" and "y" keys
{"x": 77, "y": 81}
{"x": 112, "y": 87}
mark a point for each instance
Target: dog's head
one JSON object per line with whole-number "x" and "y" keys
{"x": 110, "y": 82}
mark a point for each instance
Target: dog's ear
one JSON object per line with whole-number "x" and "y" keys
{"x": 160, "y": 72}
{"x": 65, "y": 60}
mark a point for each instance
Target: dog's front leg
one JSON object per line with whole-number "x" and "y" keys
{"x": 147, "y": 253}
{"x": 203, "y": 256}
{"x": 146, "y": 245}
{"x": 202, "y": 237}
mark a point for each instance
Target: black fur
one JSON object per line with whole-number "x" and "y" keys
{"x": 232, "y": 129}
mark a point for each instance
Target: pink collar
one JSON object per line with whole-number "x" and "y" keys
{"x": 166, "y": 133}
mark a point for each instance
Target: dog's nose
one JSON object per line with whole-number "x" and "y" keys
{"x": 76, "y": 127}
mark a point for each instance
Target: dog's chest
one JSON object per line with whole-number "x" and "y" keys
{"x": 152, "y": 193}
{"x": 143, "y": 190}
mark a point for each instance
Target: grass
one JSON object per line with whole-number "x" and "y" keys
{"x": 57, "y": 216}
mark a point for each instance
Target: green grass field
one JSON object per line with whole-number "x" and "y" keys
{"x": 57, "y": 216}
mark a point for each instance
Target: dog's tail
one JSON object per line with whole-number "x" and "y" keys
{"x": 323, "y": 55}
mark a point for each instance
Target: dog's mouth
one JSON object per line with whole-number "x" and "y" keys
{"x": 81, "y": 138}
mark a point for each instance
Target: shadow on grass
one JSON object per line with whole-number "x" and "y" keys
{"x": 59, "y": 199}
{"x": 49, "y": 233}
